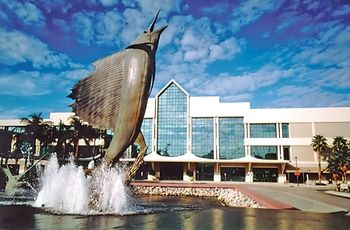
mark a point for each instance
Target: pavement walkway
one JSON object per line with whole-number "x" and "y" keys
{"x": 318, "y": 199}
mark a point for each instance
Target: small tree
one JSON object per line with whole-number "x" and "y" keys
{"x": 319, "y": 145}
{"x": 81, "y": 131}
{"x": 37, "y": 129}
{"x": 339, "y": 157}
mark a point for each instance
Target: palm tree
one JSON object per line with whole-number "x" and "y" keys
{"x": 62, "y": 133}
{"x": 340, "y": 156}
{"x": 340, "y": 152}
{"x": 339, "y": 144}
{"x": 36, "y": 129}
{"x": 81, "y": 131}
{"x": 46, "y": 136}
{"x": 319, "y": 145}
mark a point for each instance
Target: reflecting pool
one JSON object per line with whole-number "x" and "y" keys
{"x": 166, "y": 213}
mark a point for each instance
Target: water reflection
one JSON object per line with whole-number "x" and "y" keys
{"x": 174, "y": 213}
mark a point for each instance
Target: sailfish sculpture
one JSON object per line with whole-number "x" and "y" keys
{"x": 115, "y": 95}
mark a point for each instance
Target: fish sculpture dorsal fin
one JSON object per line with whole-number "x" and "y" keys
{"x": 97, "y": 96}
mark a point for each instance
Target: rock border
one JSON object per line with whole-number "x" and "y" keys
{"x": 227, "y": 196}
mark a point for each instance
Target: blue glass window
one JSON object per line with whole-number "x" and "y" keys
{"x": 285, "y": 130}
{"x": 286, "y": 153}
{"x": 263, "y": 131}
{"x": 146, "y": 130}
{"x": 264, "y": 152}
{"x": 172, "y": 122}
{"x": 231, "y": 137}
{"x": 203, "y": 137}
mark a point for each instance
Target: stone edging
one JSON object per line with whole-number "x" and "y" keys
{"x": 227, "y": 196}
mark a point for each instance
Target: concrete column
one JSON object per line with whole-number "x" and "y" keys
{"x": 156, "y": 168}
{"x": 249, "y": 177}
{"x": 217, "y": 173}
{"x": 189, "y": 167}
{"x": 216, "y": 138}
{"x": 282, "y": 178}
{"x": 249, "y": 173}
{"x": 22, "y": 166}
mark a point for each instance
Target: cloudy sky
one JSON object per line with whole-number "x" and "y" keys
{"x": 272, "y": 53}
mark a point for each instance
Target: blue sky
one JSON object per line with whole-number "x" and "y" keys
{"x": 270, "y": 53}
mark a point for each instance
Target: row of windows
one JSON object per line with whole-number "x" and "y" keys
{"x": 172, "y": 122}
{"x": 263, "y": 131}
{"x": 231, "y": 138}
{"x": 203, "y": 137}
{"x": 268, "y": 130}
{"x": 172, "y": 131}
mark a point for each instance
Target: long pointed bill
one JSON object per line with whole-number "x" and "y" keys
{"x": 151, "y": 27}
{"x": 160, "y": 30}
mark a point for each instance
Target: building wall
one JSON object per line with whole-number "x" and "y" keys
{"x": 333, "y": 129}
{"x": 202, "y": 130}
{"x": 303, "y": 153}
{"x": 297, "y": 130}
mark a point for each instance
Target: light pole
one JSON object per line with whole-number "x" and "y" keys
{"x": 297, "y": 170}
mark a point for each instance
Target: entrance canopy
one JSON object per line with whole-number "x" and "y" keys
{"x": 189, "y": 157}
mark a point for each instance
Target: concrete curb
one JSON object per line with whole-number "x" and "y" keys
{"x": 341, "y": 194}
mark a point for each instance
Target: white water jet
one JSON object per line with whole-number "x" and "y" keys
{"x": 66, "y": 189}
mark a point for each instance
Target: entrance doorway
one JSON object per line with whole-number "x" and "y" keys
{"x": 205, "y": 172}
{"x": 171, "y": 171}
{"x": 265, "y": 174}
{"x": 232, "y": 174}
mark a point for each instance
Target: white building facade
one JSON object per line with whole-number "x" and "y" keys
{"x": 232, "y": 142}
{"x": 200, "y": 138}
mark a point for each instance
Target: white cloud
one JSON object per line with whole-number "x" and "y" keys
{"x": 12, "y": 113}
{"x": 250, "y": 10}
{"x": 235, "y": 88}
{"x": 26, "y": 11}
{"x": 62, "y": 6}
{"x": 194, "y": 45}
{"x": 102, "y": 28}
{"x": 17, "y": 47}
{"x": 287, "y": 18}
{"x": 217, "y": 8}
{"x": 129, "y": 3}
{"x": 34, "y": 83}
{"x": 343, "y": 37}
{"x": 109, "y": 2}
{"x": 31, "y": 83}
{"x": 3, "y": 16}
{"x": 225, "y": 49}
{"x": 62, "y": 24}
{"x": 150, "y": 7}
{"x": 197, "y": 42}
{"x": 134, "y": 24}
{"x": 313, "y": 5}
{"x": 331, "y": 47}
{"x": 308, "y": 96}
{"x": 75, "y": 74}
{"x": 343, "y": 10}
{"x": 121, "y": 28}
{"x": 237, "y": 97}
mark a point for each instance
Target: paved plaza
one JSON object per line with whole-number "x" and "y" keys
{"x": 320, "y": 199}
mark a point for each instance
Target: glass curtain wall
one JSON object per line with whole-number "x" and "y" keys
{"x": 146, "y": 129}
{"x": 231, "y": 137}
{"x": 264, "y": 152}
{"x": 172, "y": 122}
{"x": 285, "y": 130}
{"x": 263, "y": 131}
{"x": 203, "y": 137}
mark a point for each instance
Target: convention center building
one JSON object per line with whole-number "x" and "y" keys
{"x": 200, "y": 138}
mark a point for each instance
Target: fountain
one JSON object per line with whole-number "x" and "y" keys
{"x": 67, "y": 189}
{"x": 113, "y": 97}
